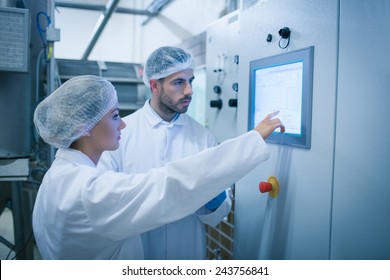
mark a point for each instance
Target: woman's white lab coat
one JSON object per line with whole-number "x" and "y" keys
{"x": 83, "y": 213}
{"x": 149, "y": 142}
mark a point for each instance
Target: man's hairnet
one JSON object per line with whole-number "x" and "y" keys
{"x": 166, "y": 61}
{"x": 73, "y": 109}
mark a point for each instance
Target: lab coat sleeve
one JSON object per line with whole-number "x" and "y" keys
{"x": 213, "y": 218}
{"x": 120, "y": 205}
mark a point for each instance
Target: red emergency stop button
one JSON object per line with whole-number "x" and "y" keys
{"x": 272, "y": 186}
{"x": 265, "y": 187}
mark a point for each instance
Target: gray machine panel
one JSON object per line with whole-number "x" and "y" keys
{"x": 126, "y": 78}
{"x": 296, "y": 224}
{"x": 222, "y": 63}
{"x": 360, "y": 223}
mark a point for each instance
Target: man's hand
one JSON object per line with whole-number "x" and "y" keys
{"x": 268, "y": 125}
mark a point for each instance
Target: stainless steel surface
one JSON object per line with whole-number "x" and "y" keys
{"x": 132, "y": 93}
{"x": 16, "y": 169}
{"x": 360, "y": 224}
{"x": 295, "y": 225}
{"x": 222, "y": 48}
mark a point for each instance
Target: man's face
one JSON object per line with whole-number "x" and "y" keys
{"x": 175, "y": 91}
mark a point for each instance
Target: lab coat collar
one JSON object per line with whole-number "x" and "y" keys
{"x": 74, "y": 156}
{"x": 154, "y": 119}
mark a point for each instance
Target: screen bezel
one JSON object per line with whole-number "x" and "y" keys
{"x": 306, "y": 56}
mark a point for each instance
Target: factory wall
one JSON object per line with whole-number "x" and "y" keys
{"x": 333, "y": 199}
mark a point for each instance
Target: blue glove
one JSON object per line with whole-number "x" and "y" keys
{"x": 213, "y": 204}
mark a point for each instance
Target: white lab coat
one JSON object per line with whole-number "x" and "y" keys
{"x": 84, "y": 213}
{"x": 148, "y": 142}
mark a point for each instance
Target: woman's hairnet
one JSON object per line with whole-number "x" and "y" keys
{"x": 73, "y": 109}
{"x": 166, "y": 61}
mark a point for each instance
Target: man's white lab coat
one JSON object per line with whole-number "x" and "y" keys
{"x": 84, "y": 213}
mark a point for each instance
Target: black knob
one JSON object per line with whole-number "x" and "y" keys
{"x": 216, "y": 103}
{"x": 236, "y": 59}
{"x": 232, "y": 102}
{"x": 235, "y": 87}
{"x": 285, "y": 32}
{"x": 217, "y": 89}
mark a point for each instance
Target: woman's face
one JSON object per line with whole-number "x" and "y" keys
{"x": 106, "y": 133}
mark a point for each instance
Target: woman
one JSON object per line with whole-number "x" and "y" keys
{"x": 83, "y": 213}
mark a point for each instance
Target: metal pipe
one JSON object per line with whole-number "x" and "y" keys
{"x": 102, "y": 8}
{"x": 50, "y": 67}
{"x": 110, "y": 8}
{"x": 155, "y": 8}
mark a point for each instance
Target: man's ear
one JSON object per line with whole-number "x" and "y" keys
{"x": 154, "y": 85}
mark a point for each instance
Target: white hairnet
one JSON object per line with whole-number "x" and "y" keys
{"x": 73, "y": 109}
{"x": 166, "y": 61}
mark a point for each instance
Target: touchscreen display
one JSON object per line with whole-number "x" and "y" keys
{"x": 284, "y": 83}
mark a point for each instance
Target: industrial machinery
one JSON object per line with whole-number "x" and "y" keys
{"x": 28, "y": 73}
{"x": 327, "y": 193}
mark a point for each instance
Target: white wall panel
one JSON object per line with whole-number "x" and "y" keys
{"x": 361, "y": 208}
{"x": 221, "y": 48}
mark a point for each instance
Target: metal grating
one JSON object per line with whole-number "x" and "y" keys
{"x": 14, "y": 36}
{"x": 220, "y": 239}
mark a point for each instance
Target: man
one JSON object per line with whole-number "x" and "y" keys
{"x": 159, "y": 133}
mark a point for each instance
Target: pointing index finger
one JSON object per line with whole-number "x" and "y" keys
{"x": 271, "y": 115}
